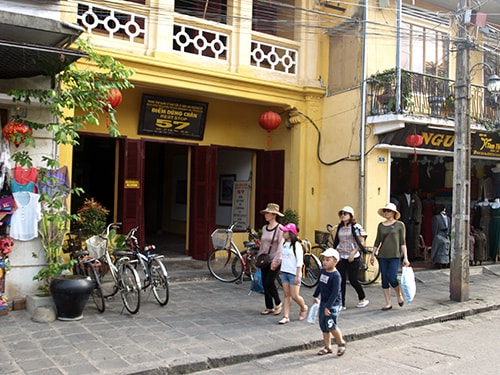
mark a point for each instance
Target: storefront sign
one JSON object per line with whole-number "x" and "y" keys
{"x": 241, "y": 202}
{"x": 482, "y": 144}
{"x": 485, "y": 144}
{"x": 172, "y": 117}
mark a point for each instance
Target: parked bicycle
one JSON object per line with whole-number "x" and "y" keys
{"x": 311, "y": 268}
{"x": 152, "y": 271}
{"x": 226, "y": 263}
{"x": 367, "y": 274}
{"x": 124, "y": 276}
{"x": 86, "y": 265}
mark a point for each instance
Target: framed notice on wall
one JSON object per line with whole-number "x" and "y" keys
{"x": 172, "y": 117}
{"x": 241, "y": 204}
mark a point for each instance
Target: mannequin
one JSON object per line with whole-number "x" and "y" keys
{"x": 410, "y": 207}
{"x": 440, "y": 253}
{"x": 494, "y": 230}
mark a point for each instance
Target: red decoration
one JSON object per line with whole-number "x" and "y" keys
{"x": 414, "y": 140}
{"x": 16, "y": 132}
{"x": 269, "y": 121}
{"x": 114, "y": 97}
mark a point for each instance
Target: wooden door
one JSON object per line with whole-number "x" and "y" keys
{"x": 269, "y": 182}
{"x": 131, "y": 182}
{"x": 203, "y": 200}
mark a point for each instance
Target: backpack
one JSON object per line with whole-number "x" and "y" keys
{"x": 306, "y": 248}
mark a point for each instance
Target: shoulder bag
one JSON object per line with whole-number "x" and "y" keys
{"x": 264, "y": 260}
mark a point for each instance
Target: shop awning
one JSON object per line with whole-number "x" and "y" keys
{"x": 31, "y": 45}
{"x": 29, "y": 60}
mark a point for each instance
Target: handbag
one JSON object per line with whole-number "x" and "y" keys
{"x": 408, "y": 284}
{"x": 264, "y": 260}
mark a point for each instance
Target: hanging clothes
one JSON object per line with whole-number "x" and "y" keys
{"x": 440, "y": 253}
{"x": 17, "y": 187}
{"x": 494, "y": 231}
{"x": 24, "y": 175}
{"x": 24, "y": 222}
{"x": 52, "y": 181}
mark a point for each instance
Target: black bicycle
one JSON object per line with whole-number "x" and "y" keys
{"x": 367, "y": 274}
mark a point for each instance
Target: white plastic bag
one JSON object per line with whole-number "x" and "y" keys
{"x": 313, "y": 313}
{"x": 408, "y": 285}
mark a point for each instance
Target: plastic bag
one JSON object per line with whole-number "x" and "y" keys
{"x": 313, "y": 313}
{"x": 408, "y": 285}
{"x": 257, "y": 282}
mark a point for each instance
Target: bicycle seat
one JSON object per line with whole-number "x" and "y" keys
{"x": 123, "y": 253}
{"x": 249, "y": 243}
{"x": 79, "y": 254}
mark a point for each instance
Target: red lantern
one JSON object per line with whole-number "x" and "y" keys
{"x": 16, "y": 132}
{"x": 269, "y": 121}
{"x": 414, "y": 140}
{"x": 114, "y": 98}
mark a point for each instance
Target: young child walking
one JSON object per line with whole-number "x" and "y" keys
{"x": 330, "y": 302}
{"x": 291, "y": 271}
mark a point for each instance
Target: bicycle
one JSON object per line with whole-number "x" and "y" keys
{"x": 153, "y": 272}
{"x": 124, "y": 276}
{"x": 226, "y": 263}
{"x": 367, "y": 274}
{"x": 311, "y": 268}
{"x": 86, "y": 265}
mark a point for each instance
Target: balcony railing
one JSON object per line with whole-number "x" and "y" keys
{"x": 425, "y": 95}
{"x": 190, "y": 35}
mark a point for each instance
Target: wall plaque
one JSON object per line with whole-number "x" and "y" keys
{"x": 172, "y": 117}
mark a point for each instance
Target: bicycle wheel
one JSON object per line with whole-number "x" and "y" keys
{"x": 311, "y": 270}
{"x": 97, "y": 294}
{"x": 159, "y": 281}
{"x": 225, "y": 265}
{"x": 109, "y": 286}
{"x": 130, "y": 288}
{"x": 368, "y": 273}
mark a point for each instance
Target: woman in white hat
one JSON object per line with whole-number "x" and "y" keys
{"x": 349, "y": 239}
{"x": 271, "y": 243}
{"x": 389, "y": 247}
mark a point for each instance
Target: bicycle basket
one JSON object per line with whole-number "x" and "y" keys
{"x": 96, "y": 246}
{"x": 321, "y": 237}
{"x": 221, "y": 238}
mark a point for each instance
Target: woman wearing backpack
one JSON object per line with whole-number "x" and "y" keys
{"x": 291, "y": 271}
{"x": 349, "y": 241}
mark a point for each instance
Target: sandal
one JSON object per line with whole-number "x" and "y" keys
{"x": 266, "y": 312}
{"x": 277, "y": 309}
{"x": 303, "y": 313}
{"x": 325, "y": 350}
{"x": 284, "y": 320}
{"x": 341, "y": 349}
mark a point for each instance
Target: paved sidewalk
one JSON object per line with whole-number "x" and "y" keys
{"x": 209, "y": 324}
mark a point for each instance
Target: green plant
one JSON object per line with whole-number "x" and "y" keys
{"x": 77, "y": 99}
{"x": 386, "y": 86}
{"x": 91, "y": 218}
{"x": 290, "y": 216}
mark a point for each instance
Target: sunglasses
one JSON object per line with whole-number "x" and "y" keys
{"x": 342, "y": 213}
{"x": 385, "y": 210}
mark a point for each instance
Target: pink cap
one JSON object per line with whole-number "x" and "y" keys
{"x": 290, "y": 227}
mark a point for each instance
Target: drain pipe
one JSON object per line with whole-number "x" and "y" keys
{"x": 362, "y": 146}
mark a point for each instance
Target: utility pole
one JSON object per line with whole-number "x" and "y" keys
{"x": 460, "y": 228}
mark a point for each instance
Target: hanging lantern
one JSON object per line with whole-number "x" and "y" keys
{"x": 269, "y": 121}
{"x": 16, "y": 132}
{"x": 414, "y": 140}
{"x": 114, "y": 98}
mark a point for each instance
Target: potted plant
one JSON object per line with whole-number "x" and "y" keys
{"x": 386, "y": 85}
{"x": 92, "y": 217}
{"x": 290, "y": 216}
{"x": 78, "y": 99}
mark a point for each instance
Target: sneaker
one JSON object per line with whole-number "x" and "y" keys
{"x": 363, "y": 303}
{"x": 343, "y": 308}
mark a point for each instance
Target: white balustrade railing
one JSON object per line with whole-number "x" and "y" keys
{"x": 200, "y": 41}
{"x": 116, "y": 24}
{"x": 190, "y": 35}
